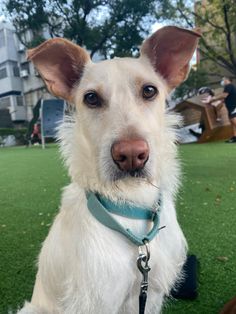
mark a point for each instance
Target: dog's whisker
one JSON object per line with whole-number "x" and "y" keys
{"x": 152, "y": 184}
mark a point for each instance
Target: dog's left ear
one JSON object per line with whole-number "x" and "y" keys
{"x": 170, "y": 50}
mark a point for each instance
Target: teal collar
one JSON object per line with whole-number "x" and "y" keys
{"x": 101, "y": 208}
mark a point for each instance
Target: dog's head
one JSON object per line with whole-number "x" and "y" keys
{"x": 121, "y": 132}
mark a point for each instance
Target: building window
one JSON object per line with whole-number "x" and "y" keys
{"x": 3, "y": 73}
{"x": 2, "y": 38}
{"x": 5, "y": 102}
{"x": 16, "y": 71}
{"x": 25, "y": 66}
{"x": 19, "y": 101}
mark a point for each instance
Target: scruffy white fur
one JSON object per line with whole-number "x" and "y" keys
{"x": 84, "y": 267}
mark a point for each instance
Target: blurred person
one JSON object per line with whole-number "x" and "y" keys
{"x": 36, "y": 135}
{"x": 206, "y": 95}
{"x": 229, "y": 97}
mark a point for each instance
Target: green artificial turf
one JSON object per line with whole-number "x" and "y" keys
{"x": 30, "y": 186}
{"x": 207, "y": 213}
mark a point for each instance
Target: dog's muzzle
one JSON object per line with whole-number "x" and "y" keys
{"x": 130, "y": 155}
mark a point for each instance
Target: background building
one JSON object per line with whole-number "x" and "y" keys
{"x": 11, "y": 88}
{"x": 20, "y": 84}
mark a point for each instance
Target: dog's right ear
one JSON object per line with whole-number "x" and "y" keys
{"x": 61, "y": 64}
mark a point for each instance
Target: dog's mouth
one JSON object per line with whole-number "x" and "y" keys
{"x": 137, "y": 173}
{"x": 115, "y": 174}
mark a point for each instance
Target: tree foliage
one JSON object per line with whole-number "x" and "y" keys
{"x": 217, "y": 20}
{"x": 110, "y": 27}
{"x": 197, "y": 78}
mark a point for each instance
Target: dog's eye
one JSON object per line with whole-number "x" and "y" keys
{"x": 149, "y": 92}
{"x": 92, "y": 100}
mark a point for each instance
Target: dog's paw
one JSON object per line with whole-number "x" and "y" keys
{"x": 31, "y": 309}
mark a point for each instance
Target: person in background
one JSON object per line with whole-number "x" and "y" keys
{"x": 229, "y": 97}
{"x": 206, "y": 94}
{"x": 36, "y": 136}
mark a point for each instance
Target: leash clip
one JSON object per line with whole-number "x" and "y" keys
{"x": 142, "y": 264}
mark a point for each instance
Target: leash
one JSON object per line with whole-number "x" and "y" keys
{"x": 101, "y": 208}
{"x": 142, "y": 264}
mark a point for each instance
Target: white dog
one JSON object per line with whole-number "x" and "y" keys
{"x": 120, "y": 151}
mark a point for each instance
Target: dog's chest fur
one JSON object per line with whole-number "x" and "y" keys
{"x": 97, "y": 266}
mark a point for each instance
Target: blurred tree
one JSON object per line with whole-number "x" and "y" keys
{"x": 197, "y": 78}
{"x": 110, "y": 27}
{"x": 217, "y": 20}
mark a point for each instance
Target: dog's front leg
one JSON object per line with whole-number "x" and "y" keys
{"x": 40, "y": 303}
{"x": 29, "y": 308}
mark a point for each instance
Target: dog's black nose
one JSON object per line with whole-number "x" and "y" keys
{"x": 130, "y": 155}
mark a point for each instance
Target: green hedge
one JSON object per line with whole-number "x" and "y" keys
{"x": 19, "y": 134}
{"x": 16, "y": 132}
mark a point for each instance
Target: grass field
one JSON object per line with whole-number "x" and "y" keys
{"x": 30, "y": 187}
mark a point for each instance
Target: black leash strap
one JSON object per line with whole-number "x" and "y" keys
{"x": 142, "y": 264}
{"x": 142, "y": 302}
